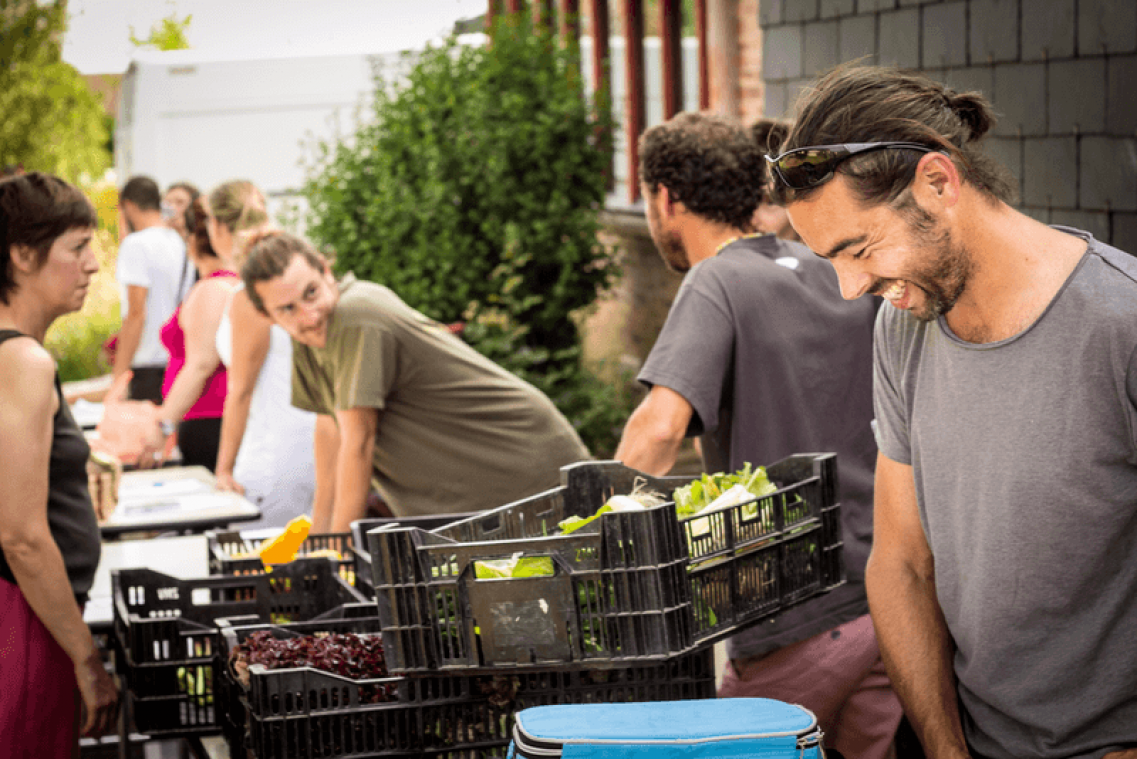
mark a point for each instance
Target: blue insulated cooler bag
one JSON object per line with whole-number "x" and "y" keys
{"x": 721, "y": 728}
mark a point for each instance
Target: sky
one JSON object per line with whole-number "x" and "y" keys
{"x": 98, "y": 37}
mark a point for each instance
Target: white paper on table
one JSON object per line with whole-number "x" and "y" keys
{"x": 87, "y": 413}
{"x": 160, "y": 490}
{"x": 98, "y": 609}
{"x": 173, "y": 508}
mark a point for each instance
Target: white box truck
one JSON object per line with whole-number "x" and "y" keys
{"x": 187, "y": 115}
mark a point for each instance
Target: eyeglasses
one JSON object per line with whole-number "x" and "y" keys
{"x": 802, "y": 168}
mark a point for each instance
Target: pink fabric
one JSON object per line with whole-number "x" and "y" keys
{"x": 37, "y": 685}
{"x": 212, "y": 400}
{"x": 839, "y": 676}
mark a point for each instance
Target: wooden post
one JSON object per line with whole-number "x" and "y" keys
{"x": 634, "y": 88}
{"x": 671, "y": 45}
{"x": 601, "y": 71}
{"x": 570, "y": 21}
{"x": 722, "y": 55}
{"x": 704, "y": 69}
{"x": 544, "y": 15}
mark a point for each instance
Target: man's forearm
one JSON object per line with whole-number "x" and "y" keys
{"x": 642, "y": 447}
{"x": 655, "y": 431}
{"x": 326, "y": 445}
{"x": 917, "y": 651}
{"x": 353, "y": 483}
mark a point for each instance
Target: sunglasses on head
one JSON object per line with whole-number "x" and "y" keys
{"x": 802, "y": 168}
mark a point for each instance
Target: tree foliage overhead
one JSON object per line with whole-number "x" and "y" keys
{"x": 167, "y": 34}
{"x": 52, "y": 121}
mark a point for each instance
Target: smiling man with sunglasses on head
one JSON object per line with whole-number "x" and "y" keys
{"x": 761, "y": 359}
{"x": 1003, "y": 577}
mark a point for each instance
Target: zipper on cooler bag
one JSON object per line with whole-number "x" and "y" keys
{"x": 527, "y": 747}
{"x": 813, "y": 740}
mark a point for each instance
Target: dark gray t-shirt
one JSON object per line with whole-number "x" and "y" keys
{"x": 1024, "y": 454}
{"x": 774, "y": 362}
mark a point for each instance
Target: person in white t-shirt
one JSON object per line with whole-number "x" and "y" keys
{"x": 154, "y": 275}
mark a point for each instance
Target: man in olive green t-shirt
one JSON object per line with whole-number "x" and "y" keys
{"x": 441, "y": 428}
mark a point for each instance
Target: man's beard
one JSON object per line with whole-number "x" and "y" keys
{"x": 674, "y": 254}
{"x": 944, "y": 279}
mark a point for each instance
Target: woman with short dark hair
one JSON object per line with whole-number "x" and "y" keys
{"x": 49, "y": 534}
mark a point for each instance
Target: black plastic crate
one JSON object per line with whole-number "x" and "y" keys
{"x": 306, "y": 713}
{"x": 166, "y": 633}
{"x": 232, "y": 709}
{"x": 637, "y": 585}
{"x": 226, "y": 549}
{"x": 361, "y": 548}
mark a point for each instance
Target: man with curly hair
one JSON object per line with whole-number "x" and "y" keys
{"x": 761, "y": 359}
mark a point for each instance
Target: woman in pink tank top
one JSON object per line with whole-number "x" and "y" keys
{"x": 194, "y": 388}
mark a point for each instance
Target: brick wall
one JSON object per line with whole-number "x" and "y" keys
{"x": 1060, "y": 73}
{"x": 750, "y": 86}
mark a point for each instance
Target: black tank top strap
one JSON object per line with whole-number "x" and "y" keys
{"x": 8, "y": 334}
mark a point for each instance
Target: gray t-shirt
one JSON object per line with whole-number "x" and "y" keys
{"x": 1024, "y": 453}
{"x": 774, "y": 363}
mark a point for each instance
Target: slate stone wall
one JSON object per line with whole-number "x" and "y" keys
{"x": 1062, "y": 74}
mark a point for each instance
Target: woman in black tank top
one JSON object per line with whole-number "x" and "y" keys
{"x": 49, "y": 536}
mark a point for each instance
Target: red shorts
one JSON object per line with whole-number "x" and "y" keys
{"x": 838, "y": 675}
{"x": 37, "y": 685}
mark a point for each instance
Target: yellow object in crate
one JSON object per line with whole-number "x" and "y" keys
{"x": 282, "y": 549}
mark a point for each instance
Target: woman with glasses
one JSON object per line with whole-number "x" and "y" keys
{"x": 175, "y": 203}
{"x": 49, "y": 536}
{"x": 195, "y": 384}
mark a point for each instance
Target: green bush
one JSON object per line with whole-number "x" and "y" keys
{"x": 77, "y": 345}
{"x": 473, "y": 193}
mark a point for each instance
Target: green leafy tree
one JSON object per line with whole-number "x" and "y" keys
{"x": 167, "y": 34}
{"x": 473, "y": 191}
{"x": 52, "y": 121}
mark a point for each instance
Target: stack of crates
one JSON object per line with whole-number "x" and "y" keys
{"x": 628, "y": 612}
{"x": 235, "y": 553}
{"x": 166, "y": 635}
